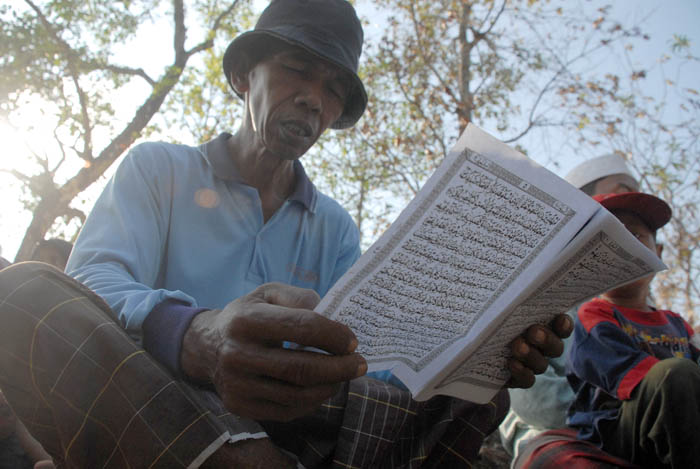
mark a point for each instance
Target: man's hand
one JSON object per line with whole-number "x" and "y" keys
{"x": 239, "y": 349}
{"x": 531, "y": 350}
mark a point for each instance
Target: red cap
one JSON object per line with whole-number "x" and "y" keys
{"x": 652, "y": 210}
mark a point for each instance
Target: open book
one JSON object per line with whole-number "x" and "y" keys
{"x": 492, "y": 244}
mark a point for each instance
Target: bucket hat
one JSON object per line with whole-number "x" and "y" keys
{"x": 652, "y": 210}
{"x": 328, "y": 29}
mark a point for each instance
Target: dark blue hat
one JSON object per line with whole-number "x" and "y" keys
{"x": 328, "y": 29}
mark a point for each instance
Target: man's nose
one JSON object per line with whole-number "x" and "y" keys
{"x": 311, "y": 95}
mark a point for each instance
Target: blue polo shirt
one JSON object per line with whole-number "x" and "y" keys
{"x": 176, "y": 231}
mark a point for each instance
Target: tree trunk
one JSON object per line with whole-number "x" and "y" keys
{"x": 56, "y": 204}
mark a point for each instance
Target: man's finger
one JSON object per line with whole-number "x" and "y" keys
{"x": 529, "y": 356}
{"x": 275, "y": 324}
{"x": 520, "y": 376}
{"x": 562, "y": 325}
{"x": 299, "y": 367}
{"x": 546, "y": 341}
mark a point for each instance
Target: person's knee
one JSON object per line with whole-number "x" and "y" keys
{"x": 24, "y": 271}
{"x": 676, "y": 373}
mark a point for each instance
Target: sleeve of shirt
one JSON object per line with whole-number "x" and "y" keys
{"x": 119, "y": 250}
{"x": 604, "y": 355}
{"x": 163, "y": 331}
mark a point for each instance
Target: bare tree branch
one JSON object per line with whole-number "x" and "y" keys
{"x": 71, "y": 55}
{"x": 479, "y": 34}
{"x": 49, "y": 208}
{"x": 120, "y": 69}
{"x": 71, "y": 212}
{"x": 427, "y": 61}
{"x": 180, "y": 29}
{"x": 18, "y": 175}
{"x": 207, "y": 44}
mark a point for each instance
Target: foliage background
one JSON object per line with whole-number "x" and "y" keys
{"x": 561, "y": 80}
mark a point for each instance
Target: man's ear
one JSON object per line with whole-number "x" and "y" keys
{"x": 239, "y": 81}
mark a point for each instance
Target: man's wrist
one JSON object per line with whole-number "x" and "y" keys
{"x": 200, "y": 345}
{"x": 163, "y": 332}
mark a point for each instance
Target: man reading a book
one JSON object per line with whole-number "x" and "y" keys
{"x": 196, "y": 269}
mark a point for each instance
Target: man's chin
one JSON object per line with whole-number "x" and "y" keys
{"x": 629, "y": 290}
{"x": 291, "y": 152}
{"x": 290, "y": 156}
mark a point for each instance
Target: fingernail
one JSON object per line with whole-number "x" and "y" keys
{"x": 361, "y": 369}
{"x": 352, "y": 346}
{"x": 540, "y": 336}
{"x": 523, "y": 348}
{"x": 568, "y": 323}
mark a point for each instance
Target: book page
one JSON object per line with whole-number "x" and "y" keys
{"x": 603, "y": 255}
{"x": 486, "y": 224}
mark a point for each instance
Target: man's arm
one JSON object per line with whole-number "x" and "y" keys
{"x": 119, "y": 251}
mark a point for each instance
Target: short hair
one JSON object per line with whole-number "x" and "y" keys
{"x": 62, "y": 246}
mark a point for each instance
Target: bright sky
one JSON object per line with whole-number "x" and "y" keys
{"x": 33, "y": 129}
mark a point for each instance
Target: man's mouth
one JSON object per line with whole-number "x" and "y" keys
{"x": 298, "y": 128}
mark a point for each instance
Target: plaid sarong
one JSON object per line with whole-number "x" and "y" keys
{"x": 93, "y": 398}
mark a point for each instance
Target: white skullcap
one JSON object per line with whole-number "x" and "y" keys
{"x": 600, "y": 167}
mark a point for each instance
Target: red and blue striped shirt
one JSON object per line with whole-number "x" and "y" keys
{"x": 613, "y": 349}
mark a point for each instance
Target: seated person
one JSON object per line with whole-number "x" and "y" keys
{"x": 54, "y": 251}
{"x": 210, "y": 257}
{"x": 534, "y": 431}
{"x": 634, "y": 368}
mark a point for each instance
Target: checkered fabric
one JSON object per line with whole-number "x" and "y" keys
{"x": 93, "y": 398}
{"x": 371, "y": 424}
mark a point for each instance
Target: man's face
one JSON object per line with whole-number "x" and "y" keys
{"x": 616, "y": 184}
{"x": 293, "y": 97}
{"x": 638, "y": 228}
